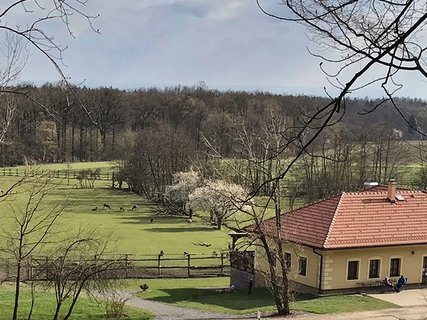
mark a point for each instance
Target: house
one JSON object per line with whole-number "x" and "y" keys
{"x": 354, "y": 240}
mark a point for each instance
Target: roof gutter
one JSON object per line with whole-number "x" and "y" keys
{"x": 321, "y": 270}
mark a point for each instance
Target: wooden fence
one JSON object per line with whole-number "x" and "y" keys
{"x": 60, "y": 174}
{"x": 188, "y": 266}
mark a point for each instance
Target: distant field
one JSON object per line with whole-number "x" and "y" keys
{"x": 64, "y": 170}
{"x": 106, "y": 165}
{"x": 132, "y": 231}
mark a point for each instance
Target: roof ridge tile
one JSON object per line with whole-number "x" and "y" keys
{"x": 333, "y": 220}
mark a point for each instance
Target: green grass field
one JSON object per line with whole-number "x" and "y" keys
{"x": 45, "y": 307}
{"x": 201, "y": 294}
{"x": 74, "y": 166}
{"x": 132, "y": 232}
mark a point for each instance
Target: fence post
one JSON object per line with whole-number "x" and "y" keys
{"x": 7, "y": 269}
{"x": 112, "y": 181}
{"x": 10, "y": 171}
{"x": 159, "y": 266}
{"x": 222, "y": 263}
{"x": 126, "y": 264}
{"x": 188, "y": 265}
{"x": 47, "y": 268}
{"x": 16, "y": 171}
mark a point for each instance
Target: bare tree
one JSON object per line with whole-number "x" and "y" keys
{"x": 79, "y": 264}
{"x": 25, "y": 24}
{"x": 29, "y": 227}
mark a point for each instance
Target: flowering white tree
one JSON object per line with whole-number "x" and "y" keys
{"x": 184, "y": 184}
{"x": 220, "y": 198}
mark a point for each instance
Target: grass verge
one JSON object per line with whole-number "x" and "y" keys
{"x": 45, "y": 306}
{"x": 207, "y": 294}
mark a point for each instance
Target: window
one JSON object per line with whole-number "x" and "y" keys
{"x": 302, "y": 270}
{"x": 288, "y": 259}
{"x": 394, "y": 267}
{"x": 353, "y": 270}
{"x": 374, "y": 268}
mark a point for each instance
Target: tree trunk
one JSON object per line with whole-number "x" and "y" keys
{"x": 58, "y": 308}
{"x": 73, "y": 303}
{"x": 81, "y": 133}
{"x": 73, "y": 125}
{"x": 17, "y": 287}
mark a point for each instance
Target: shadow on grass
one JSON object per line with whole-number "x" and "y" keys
{"x": 180, "y": 222}
{"x": 235, "y": 301}
{"x": 180, "y": 229}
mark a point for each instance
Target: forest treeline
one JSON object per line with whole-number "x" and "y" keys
{"x": 157, "y": 132}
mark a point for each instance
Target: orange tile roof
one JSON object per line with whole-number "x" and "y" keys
{"x": 358, "y": 219}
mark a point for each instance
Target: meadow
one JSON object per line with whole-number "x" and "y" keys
{"x": 85, "y": 309}
{"x": 139, "y": 232}
{"x": 143, "y": 233}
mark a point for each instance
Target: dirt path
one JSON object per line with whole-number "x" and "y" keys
{"x": 165, "y": 311}
{"x": 406, "y": 313}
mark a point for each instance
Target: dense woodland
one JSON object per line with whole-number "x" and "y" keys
{"x": 155, "y": 133}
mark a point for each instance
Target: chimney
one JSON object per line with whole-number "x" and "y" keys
{"x": 391, "y": 194}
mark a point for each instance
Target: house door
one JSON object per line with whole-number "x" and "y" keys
{"x": 424, "y": 275}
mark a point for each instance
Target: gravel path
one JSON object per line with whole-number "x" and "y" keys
{"x": 165, "y": 311}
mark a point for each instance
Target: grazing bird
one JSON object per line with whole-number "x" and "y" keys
{"x": 202, "y": 244}
{"x": 143, "y": 287}
{"x": 185, "y": 253}
{"x": 95, "y": 209}
{"x": 151, "y": 220}
{"x": 161, "y": 254}
{"x": 106, "y": 206}
{"x": 134, "y": 207}
{"x": 122, "y": 209}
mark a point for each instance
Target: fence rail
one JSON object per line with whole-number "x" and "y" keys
{"x": 41, "y": 268}
{"x": 61, "y": 174}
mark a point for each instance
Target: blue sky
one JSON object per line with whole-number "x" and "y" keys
{"x": 228, "y": 44}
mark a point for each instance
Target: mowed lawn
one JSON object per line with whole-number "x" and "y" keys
{"x": 211, "y": 295}
{"x": 144, "y": 233}
{"x": 44, "y": 306}
{"x": 139, "y": 232}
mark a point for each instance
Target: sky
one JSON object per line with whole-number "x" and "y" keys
{"x": 227, "y": 44}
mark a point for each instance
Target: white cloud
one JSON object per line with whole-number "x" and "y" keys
{"x": 226, "y": 43}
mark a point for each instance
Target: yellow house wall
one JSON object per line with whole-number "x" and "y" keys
{"x": 335, "y": 264}
{"x": 313, "y": 263}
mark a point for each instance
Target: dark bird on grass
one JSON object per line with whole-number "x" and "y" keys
{"x": 106, "y": 206}
{"x": 202, "y": 244}
{"x": 185, "y": 253}
{"x": 143, "y": 287}
{"x": 134, "y": 207}
{"x": 95, "y": 209}
{"x": 151, "y": 220}
{"x": 122, "y": 209}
